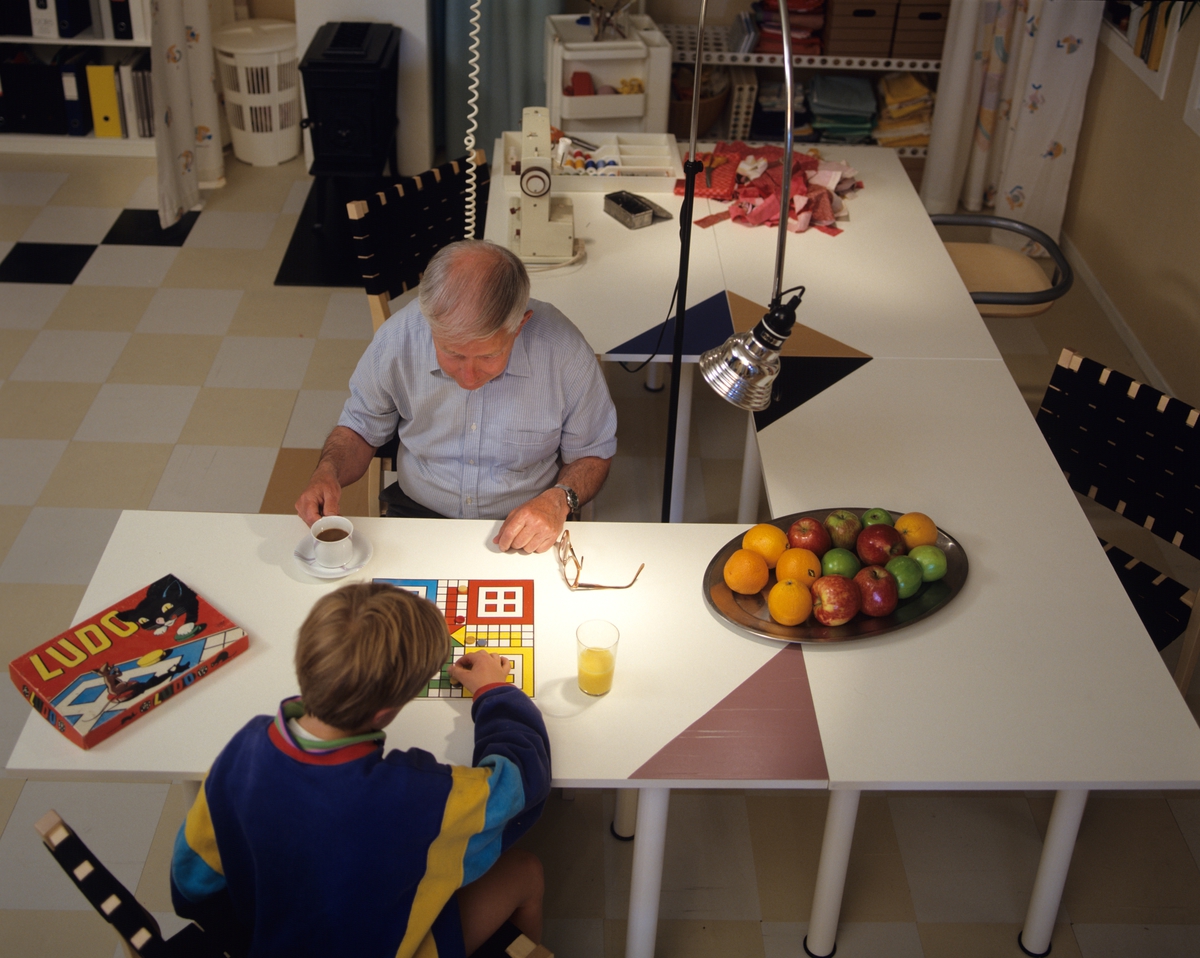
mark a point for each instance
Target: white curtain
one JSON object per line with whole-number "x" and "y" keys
{"x": 1010, "y": 103}
{"x": 187, "y": 132}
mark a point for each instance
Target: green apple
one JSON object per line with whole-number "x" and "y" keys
{"x": 932, "y": 561}
{"x": 877, "y": 517}
{"x": 908, "y": 575}
{"x": 840, "y": 562}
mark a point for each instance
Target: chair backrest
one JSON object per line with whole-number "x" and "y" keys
{"x": 1126, "y": 445}
{"x": 397, "y": 231}
{"x": 136, "y": 926}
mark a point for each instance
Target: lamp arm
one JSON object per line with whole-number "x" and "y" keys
{"x": 789, "y": 126}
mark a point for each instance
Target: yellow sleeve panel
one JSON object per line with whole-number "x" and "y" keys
{"x": 198, "y": 830}
{"x": 464, "y": 817}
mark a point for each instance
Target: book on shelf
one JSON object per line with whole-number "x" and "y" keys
{"x": 15, "y": 20}
{"x": 139, "y": 19}
{"x": 43, "y": 17}
{"x": 73, "y": 62}
{"x": 144, "y": 95}
{"x": 104, "y": 89}
{"x": 102, "y": 26}
{"x": 74, "y": 16}
{"x": 121, "y": 19}
{"x": 104, "y": 673}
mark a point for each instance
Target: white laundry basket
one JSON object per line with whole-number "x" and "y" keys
{"x": 257, "y": 60}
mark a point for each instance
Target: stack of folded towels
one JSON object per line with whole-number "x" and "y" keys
{"x": 906, "y": 111}
{"x": 805, "y": 18}
{"x": 843, "y": 108}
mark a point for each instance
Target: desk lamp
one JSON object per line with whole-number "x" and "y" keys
{"x": 743, "y": 369}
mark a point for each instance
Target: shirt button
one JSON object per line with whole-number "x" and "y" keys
{"x": 470, "y": 462}
{"x": 469, "y": 500}
{"x": 474, "y": 426}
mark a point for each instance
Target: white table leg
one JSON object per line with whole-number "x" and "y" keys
{"x": 1034, "y": 939}
{"x": 683, "y": 428}
{"x": 831, "y": 873}
{"x": 654, "y": 381}
{"x": 624, "y": 823}
{"x": 751, "y": 475}
{"x": 647, "y": 872}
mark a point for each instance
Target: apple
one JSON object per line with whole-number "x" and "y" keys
{"x": 878, "y": 543}
{"x": 840, "y": 562}
{"x": 932, "y": 561}
{"x": 844, "y": 527}
{"x": 836, "y": 599}
{"x": 907, "y": 571}
{"x": 875, "y": 517}
{"x": 808, "y": 533}
{"x": 878, "y": 590}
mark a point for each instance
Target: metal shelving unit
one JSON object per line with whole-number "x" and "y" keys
{"x": 716, "y": 51}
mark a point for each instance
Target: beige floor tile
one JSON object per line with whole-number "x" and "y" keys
{"x": 76, "y": 356}
{"x": 14, "y": 343}
{"x": 154, "y": 887}
{"x": 569, "y": 838}
{"x": 101, "y": 308}
{"x": 57, "y": 934}
{"x": 255, "y": 188}
{"x": 165, "y": 359}
{"x": 641, "y": 424}
{"x": 39, "y": 410}
{"x": 59, "y": 546}
{"x": 10, "y": 791}
{"x": 214, "y": 479}
{"x": 33, "y": 613}
{"x": 281, "y": 311}
{"x": 238, "y": 417}
{"x": 1138, "y": 941}
{"x": 723, "y": 488}
{"x": 293, "y": 468}
{"x": 864, "y": 939}
{"x": 332, "y": 363}
{"x": 11, "y": 520}
{"x": 99, "y": 180}
{"x": 876, "y": 886}
{"x": 15, "y": 220}
{"x": 574, "y": 937}
{"x": 965, "y": 940}
{"x": 260, "y": 362}
{"x": 25, "y": 467}
{"x": 29, "y": 305}
{"x": 224, "y": 269}
{"x": 785, "y": 834}
{"x": 692, "y": 939}
{"x": 313, "y": 417}
{"x": 106, "y": 475}
{"x": 1131, "y": 865}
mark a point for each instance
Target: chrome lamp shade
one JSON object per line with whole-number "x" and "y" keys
{"x": 742, "y": 370}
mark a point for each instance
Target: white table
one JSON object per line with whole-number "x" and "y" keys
{"x": 1038, "y": 675}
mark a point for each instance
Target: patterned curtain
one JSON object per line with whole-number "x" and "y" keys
{"x": 1004, "y": 137}
{"x": 187, "y": 135}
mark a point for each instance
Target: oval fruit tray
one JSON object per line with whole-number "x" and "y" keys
{"x": 749, "y": 612}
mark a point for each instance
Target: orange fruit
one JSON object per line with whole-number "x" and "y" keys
{"x": 746, "y": 572}
{"x": 789, "y": 602}
{"x": 917, "y": 529}
{"x": 803, "y": 565}
{"x": 767, "y": 540}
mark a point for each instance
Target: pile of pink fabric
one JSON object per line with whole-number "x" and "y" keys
{"x": 818, "y": 189}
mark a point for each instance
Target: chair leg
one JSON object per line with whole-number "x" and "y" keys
{"x": 1190, "y": 652}
{"x": 374, "y": 486}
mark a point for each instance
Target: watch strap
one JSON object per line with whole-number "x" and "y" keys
{"x": 572, "y": 499}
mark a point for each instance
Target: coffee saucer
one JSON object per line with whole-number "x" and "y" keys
{"x": 303, "y": 555}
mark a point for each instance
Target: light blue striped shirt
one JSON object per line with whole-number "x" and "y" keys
{"x": 478, "y": 454}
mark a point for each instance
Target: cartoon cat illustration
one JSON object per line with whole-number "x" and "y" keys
{"x": 167, "y": 601}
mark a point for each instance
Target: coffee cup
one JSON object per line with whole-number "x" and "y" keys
{"x": 332, "y": 541}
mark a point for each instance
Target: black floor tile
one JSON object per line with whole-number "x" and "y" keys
{"x": 45, "y": 262}
{"x": 140, "y": 228}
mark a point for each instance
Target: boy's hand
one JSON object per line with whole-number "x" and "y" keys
{"x": 477, "y": 669}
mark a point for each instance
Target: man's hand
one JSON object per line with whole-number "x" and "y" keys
{"x": 536, "y": 525}
{"x": 321, "y": 497}
{"x": 476, "y": 669}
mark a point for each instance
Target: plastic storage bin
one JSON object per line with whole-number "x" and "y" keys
{"x": 257, "y": 63}
{"x": 645, "y": 55}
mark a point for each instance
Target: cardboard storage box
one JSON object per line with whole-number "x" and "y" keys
{"x": 862, "y": 28}
{"x": 920, "y": 28}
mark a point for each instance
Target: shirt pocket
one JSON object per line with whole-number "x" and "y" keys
{"x": 529, "y": 447}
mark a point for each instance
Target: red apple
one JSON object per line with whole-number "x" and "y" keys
{"x": 844, "y": 527}
{"x": 879, "y": 544}
{"x": 836, "y": 599}
{"x": 809, "y": 533}
{"x": 878, "y": 589}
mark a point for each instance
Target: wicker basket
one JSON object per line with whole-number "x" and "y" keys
{"x": 680, "y": 122}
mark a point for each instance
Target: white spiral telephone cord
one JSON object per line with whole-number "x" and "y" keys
{"x": 472, "y": 125}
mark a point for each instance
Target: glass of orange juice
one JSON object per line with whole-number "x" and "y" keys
{"x": 596, "y": 647}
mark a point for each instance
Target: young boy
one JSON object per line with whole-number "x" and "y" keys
{"x": 320, "y": 844}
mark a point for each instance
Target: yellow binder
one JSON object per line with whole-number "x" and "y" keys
{"x": 106, "y": 101}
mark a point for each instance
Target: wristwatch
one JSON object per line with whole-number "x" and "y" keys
{"x": 572, "y": 500}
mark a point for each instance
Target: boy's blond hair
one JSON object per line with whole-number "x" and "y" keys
{"x": 366, "y": 647}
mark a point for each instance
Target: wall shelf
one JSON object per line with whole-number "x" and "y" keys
{"x": 85, "y": 39}
{"x": 62, "y": 144}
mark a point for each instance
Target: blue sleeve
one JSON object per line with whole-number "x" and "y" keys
{"x": 509, "y": 727}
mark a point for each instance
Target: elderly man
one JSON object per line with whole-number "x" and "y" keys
{"x": 498, "y": 402}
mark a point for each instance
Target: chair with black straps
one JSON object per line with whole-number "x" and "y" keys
{"x": 1135, "y": 451}
{"x": 396, "y": 232}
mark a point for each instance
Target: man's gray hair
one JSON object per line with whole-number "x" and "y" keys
{"x": 472, "y": 290}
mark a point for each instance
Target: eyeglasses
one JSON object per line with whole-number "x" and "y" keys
{"x": 572, "y": 567}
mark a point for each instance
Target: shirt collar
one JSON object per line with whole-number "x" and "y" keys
{"x": 318, "y": 751}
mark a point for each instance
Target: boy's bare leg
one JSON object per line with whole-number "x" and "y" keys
{"x": 511, "y": 890}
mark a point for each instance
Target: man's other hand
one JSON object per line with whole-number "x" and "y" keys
{"x": 320, "y": 498}
{"x": 476, "y": 669}
{"x": 536, "y": 525}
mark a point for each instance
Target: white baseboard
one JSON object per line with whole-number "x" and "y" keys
{"x": 1132, "y": 343}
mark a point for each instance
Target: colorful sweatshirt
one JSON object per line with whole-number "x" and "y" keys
{"x": 338, "y": 849}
